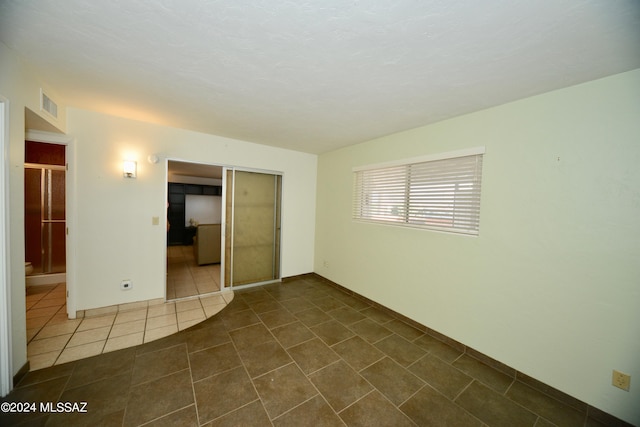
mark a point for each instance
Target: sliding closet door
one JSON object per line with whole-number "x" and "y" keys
{"x": 253, "y": 234}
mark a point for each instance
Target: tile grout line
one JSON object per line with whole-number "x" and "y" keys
{"x": 193, "y": 387}
{"x": 111, "y": 326}
{"x": 307, "y": 375}
{"x": 246, "y": 371}
{"x": 539, "y": 417}
{"x": 294, "y": 362}
{"x": 359, "y": 372}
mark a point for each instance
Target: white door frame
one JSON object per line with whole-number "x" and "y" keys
{"x": 70, "y": 208}
{"x": 6, "y": 359}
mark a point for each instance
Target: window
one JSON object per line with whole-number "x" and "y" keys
{"x": 439, "y": 192}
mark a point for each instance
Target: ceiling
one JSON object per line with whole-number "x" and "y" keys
{"x": 315, "y": 75}
{"x": 200, "y": 170}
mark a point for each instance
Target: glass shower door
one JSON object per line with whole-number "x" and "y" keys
{"x": 45, "y": 224}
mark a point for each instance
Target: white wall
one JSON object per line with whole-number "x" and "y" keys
{"x": 202, "y": 209}
{"x": 21, "y": 86}
{"x": 115, "y": 236}
{"x": 551, "y": 286}
{"x": 111, "y": 225}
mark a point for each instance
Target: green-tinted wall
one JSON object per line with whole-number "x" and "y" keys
{"x": 551, "y": 286}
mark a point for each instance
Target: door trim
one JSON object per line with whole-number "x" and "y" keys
{"x": 6, "y": 350}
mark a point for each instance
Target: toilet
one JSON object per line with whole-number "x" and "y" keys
{"x": 28, "y": 268}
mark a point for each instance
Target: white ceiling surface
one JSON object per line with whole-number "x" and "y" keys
{"x": 195, "y": 169}
{"x": 315, "y": 75}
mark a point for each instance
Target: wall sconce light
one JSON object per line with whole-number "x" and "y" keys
{"x": 129, "y": 169}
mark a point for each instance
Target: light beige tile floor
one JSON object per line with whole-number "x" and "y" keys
{"x": 54, "y": 339}
{"x": 185, "y": 278}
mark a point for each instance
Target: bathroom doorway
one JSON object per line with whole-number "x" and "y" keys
{"x": 45, "y": 212}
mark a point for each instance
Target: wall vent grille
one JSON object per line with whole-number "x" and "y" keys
{"x": 47, "y": 104}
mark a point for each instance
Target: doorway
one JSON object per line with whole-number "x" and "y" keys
{"x": 237, "y": 246}
{"x": 45, "y": 212}
{"x": 194, "y": 241}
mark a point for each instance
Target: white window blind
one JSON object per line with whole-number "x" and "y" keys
{"x": 439, "y": 192}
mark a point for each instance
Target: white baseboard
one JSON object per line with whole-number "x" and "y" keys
{"x": 46, "y": 279}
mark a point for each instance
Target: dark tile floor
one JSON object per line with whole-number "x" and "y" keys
{"x": 300, "y": 353}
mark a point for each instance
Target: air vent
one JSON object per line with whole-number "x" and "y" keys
{"x": 46, "y": 104}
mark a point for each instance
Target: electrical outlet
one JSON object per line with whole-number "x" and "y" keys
{"x": 325, "y": 264}
{"x": 125, "y": 285}
{"x": 621, "y": 380}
